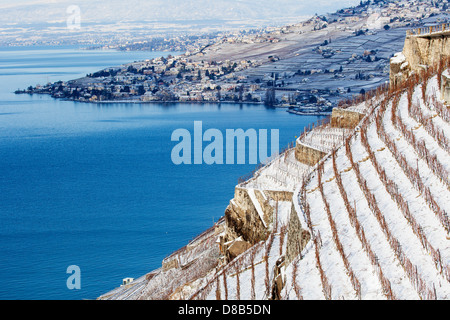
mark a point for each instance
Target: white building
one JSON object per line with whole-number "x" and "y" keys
{"x": 126, "y": 281}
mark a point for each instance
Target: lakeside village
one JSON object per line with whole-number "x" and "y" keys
{"x": 179, "y": 79}
{"x": 199, "y": 76}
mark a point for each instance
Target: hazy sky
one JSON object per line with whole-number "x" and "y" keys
{"x": 26, "y": 11}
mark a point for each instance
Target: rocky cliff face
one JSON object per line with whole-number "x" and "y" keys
{"x": 297, "y": 237}
{"x": 247, "y": 218}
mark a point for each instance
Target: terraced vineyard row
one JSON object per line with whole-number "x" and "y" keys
{"x": 387, "y": 188}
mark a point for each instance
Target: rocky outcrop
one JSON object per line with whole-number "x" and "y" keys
{"x": 236, "y": 247}
{"x": 400, "y": 69}
{"x": 247, "y": 218}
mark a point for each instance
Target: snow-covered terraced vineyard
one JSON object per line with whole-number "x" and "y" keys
{"x": 325, "y": 138}
{"x": 282, "y": 173}
{"x": 375, "y": 210}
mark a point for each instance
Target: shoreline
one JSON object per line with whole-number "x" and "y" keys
{"x": 139, "y": 102}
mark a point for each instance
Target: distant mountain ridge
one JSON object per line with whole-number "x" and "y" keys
{"x": 138, "y": 10}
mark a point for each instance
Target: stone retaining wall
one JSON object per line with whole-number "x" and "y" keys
{"x": 308, "y": 155}
{"x": 341, "y": 118}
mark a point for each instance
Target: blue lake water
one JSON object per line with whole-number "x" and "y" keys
{"x": 93, "y": 185}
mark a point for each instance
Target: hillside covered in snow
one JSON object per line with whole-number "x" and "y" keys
{"x": 367, "y": 221}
